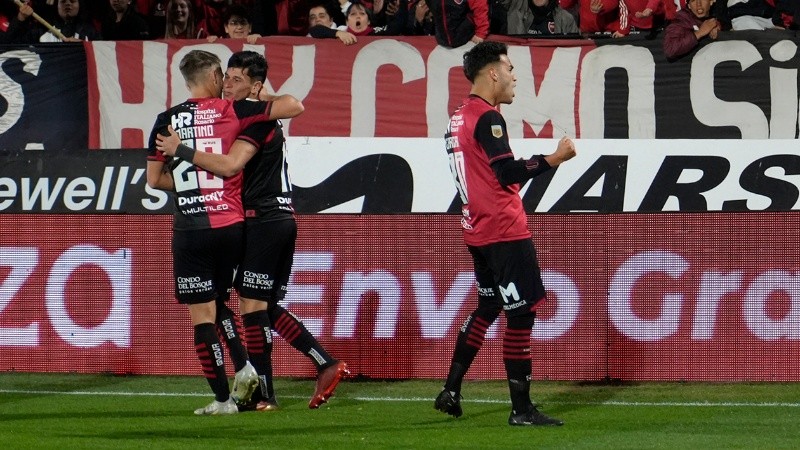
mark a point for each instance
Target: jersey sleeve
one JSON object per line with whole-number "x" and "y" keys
{"x": 257, "y": 132}
{"x": 491, "y": 134}
{"x": 160, "y": 126}
{"x": 250, "y": 111}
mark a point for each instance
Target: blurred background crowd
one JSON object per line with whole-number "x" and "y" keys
{"x": 452, "y": 22}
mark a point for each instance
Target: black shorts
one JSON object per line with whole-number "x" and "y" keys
{"x": 204, "y": 262}
{"x": 508, "y": 276}
{"x": 268, "y": 256}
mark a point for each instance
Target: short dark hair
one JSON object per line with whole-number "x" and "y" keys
{"x": 196, "y": 63}
{"x": 320, "y": 4}
{"x": 253, "y": 64}
{"x": 358, "y": 4}
{"x": 236, "y": 10}
{"x": 480, "y": 56}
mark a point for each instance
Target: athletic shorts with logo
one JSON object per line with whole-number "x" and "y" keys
{"x": 204, "y": 262}
{"x": 267, "y": 263}
{"x": 508, "y": 276}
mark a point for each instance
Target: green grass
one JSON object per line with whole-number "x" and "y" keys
{"x": 43, "y": 411}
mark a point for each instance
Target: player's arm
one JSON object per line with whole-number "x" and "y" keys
{"x": 158, "y": 177}
{"x": 282, "y": 106}
{"x": 223, "y": 165}
{"x": 491, "y": 133}
{"x": 510, "y": 171}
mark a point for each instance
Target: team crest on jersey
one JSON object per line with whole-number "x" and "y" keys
{"x": 497, "y": 131}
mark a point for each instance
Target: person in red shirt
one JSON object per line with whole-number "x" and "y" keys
{"x": 488, "y": 179}
{"x": 604, "y": 16}
{"x": 460, "y": 21}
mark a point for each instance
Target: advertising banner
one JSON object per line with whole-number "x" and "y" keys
{"x": 412, "y": 175}
{"x": 707, "y": 296}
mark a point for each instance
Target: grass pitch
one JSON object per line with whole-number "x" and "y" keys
{"x": 43, "y": 411}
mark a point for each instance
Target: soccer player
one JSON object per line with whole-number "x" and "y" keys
{"x": 270, "y": 234}
{"x": 208, "y": 221}
{"x": 495, "y": 230}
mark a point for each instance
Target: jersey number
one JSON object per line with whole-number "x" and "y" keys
{"x": 457, "y": 169}
{"x": 187, "y": 179}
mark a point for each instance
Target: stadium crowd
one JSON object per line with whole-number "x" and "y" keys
{"x": 452, "y": 22}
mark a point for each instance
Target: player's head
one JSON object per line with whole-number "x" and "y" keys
{"x": 487, "y": 64}
{"x": 245, "y": 76}
{"x": 200, "y": 67}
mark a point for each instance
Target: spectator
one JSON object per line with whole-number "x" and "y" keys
{"x": 746, "y": 14}
{"x": 359, "y": 23}
{"x": 420, "y": 20}
{"x": 787, "y": 14}
{"x": 645, "y": 15}
{"x": 46, "y": 9}
{"x": 71, "y": 22}
{"x": 7, "y": 12}
{"x": 384, "y": 11}
{"x": 238, "y": 25}
{"x": 180, "y": 20}
{"x": 343, "y": 6}
{"x": 211, "y": 17}
{"x": 604, "y": 16}
{"x": 322, "y": 26}
{"x": 14, "y": 23}
{"x": 155, "y": 13}
{"x": 541, "y": 17}
{"x": 321, "y": 15}
{"x": 690, "y": 26}
{"x": 498, "y": 17}
{"x": 281, "y": 17}
{"x": 460, "y": 21}
{"x": 123, "y": 23}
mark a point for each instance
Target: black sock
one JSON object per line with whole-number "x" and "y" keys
{"x": 259, "y": 347}
{"x": 517, "y": 360}
{"x": 228, "y": 328}
{"x": 296, "y": 334}
{"x": 469, "y": 341}
{"x": 209, "y": 352}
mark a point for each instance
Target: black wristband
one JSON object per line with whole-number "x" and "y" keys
{"x": 185, "y": 153}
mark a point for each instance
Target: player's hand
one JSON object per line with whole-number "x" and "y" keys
{"x": 169, "y": 143}
{"x": 564, "y": 152}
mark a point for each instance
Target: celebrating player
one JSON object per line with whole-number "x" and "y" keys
{"x": 270, "y": 234}
{"x": 208, "y": 221}
{"x": 495, "y": 230}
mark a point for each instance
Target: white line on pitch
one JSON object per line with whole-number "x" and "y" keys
{"x": 414, "y": 399}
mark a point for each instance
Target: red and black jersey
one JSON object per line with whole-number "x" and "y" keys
{"x": 476, "y": 137}
{"x": 204, "y": 200}
{"x": 267, "y": 193}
